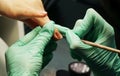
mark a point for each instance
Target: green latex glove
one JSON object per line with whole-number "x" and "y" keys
{"x": 63, "y": 30}
{"x": 94, "y": 28}
{"x": 27, "y": 56}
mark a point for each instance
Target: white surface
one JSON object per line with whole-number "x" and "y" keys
{"x": 3, "y": 48}
{"x": 11, "y": 30}
{"x": 20, "y": 29}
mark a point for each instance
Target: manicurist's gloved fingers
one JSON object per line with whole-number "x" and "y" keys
{"x": 62, "y": 29}
{"x": 75, "y": 44}
{"x": 93, "y": 24}
{"x": 44, "y": 36}
{"x": 30, "y": 36}
{"x": 83, "y": 26}
{"x": 74, "y": 41}
{"x": 77, "y": 28}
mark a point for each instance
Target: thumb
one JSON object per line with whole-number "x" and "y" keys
{"x": 77, "y": 26}
{"x": 82, "y": 27}
{"x": 62, "y": 29}
{"x": 74, "y": 41}
{"x": 44, "y": 36}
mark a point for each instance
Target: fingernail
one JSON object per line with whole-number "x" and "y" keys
{"x": 60, "y": 36}
{"x": 44, "y": 12}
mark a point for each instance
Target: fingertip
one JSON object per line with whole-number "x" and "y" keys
{"x": 57, "y": 34}
{"x": 36, "y": 13}
{"x": 55, "y": 37}
{"x": 60, "y": 36}
{"x": 42, "y": 13}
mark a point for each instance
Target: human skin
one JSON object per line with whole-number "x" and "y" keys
{"x": 30, "y": 12}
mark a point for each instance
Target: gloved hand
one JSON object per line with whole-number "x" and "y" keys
{"x": 94, "y": 28}
{"x": 28, "y": 55}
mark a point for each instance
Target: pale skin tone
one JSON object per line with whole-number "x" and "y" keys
{"x": 30, "y": 12}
